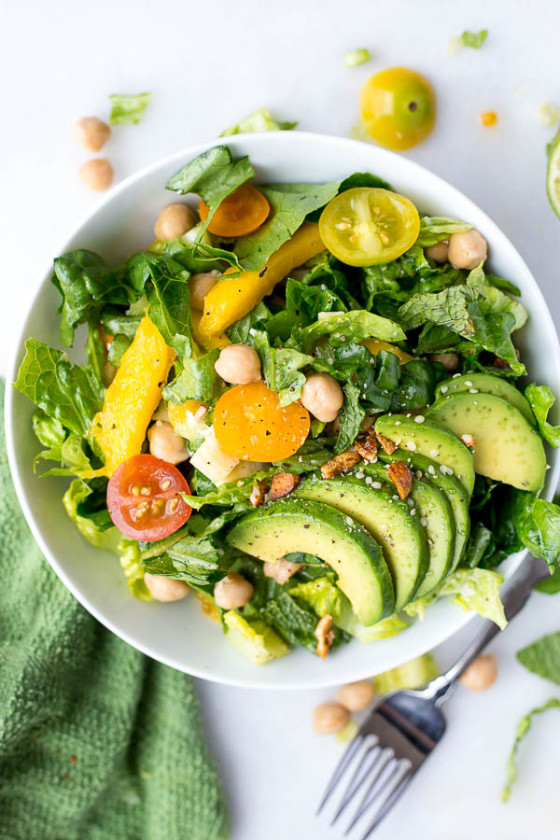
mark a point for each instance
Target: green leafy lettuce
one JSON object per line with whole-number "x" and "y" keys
{"x": 282, "y": 368}
{"x": 537, "y": 523}
{"x": 196, "y": 380}
{"x": 542, "y": 399}
{"x": 543, "y": 657}
{"x": 128, "y": 109}
{"x": 85, "y": 503}
{"x": 261, "y": 120}
{"x": 523, "y": 728}
{"x": 434, "y": 229}
{"x": 413, "y": 674}
{"x": 470, "y": 589}
{"x": 356, "y": 57}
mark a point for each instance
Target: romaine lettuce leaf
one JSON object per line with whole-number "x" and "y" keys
{"x": 471, "y": 589}
{"x": 356, "y": 57}
{"x": 254, "y": 639}
{"x": 322, "y": 595}
{"x": 542, "y": 399}
{"x": 537, "y": 523}
{"x": 85, "y": 504}
{"x": 128, "y": 109}
{"x": 70, "y": 454}
{"x": 343, "y": 327}
{"x": 413, "y": 674}
{"x": 261, "y": 120}
{"x": 199, "y": 255}
{"x": 282, "y": 368}
{"x": 213, "y": 175}
{"x": 86, "y": 284}
{"x": 434, "y": 229}
{"x": 49, "y": 432}
{"x": 133, "y": 568}
{"x": 523, "y": 728}
{"x": 69, "y": 394}
{"x": 197, "y": 562}
{"x": 350, "y": 416}
{"x": 543, "y": 657}
{"x": 474, "y": 40}
{"x": 196, "y": 380}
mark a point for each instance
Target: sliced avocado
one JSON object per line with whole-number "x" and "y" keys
{"x": 429, "y": 438}
{"x": 456, "y": 494}
{"x": 290, "y": 525}
{"x": 436, "y": 516}
{"x": 506, "y": 447}
{"x": 254, "y": 639}
{"x": 400, "y": 535}
{"x": 487, "y": 383}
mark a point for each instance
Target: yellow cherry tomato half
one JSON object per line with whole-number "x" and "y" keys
{"x": 398, "y": 108}
{"x": 369, "y": 226}
{"x": 250, "y": 424}
{"x": 240, "y": 213}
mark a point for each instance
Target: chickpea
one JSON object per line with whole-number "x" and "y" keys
{"x": 173, "y": 221}
{"x": 467, "y": 250}
{"x": 233, "y": 591}
{"x": 199, "y": 286}
{"x": 165, "y": 444}
{"x": 439, "y": 252}
{"x": 97, "y": 174}
{"x": 450, "y": 361}
{"x": 357, "y": 695}
{"x": 91, "y": 133}
{"x": 322, "y": 396}
{"x": 329, "y": 718}
{"x": 481, "y": 673}
{"x": 238, "y": 364}
{"x": 166, "y": 589}
{"x": 282, "y": 570}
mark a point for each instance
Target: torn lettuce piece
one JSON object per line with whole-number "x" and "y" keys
{"x": 543, "y": 657}
{"x": 523, "y": 728}
{"x": 470, "y": 589}
{"x": 537, "y": 523}
{"x": 282, "y": 368}
{"x": 128, "y": 109}
{"x": 261, "y": 120}
{"x": 541, "y": 400}
{"x": 196, "y": 380}
{"x": 254, "y": 639}
{"x": 413, "y": 674}
{"x": 356, "y": 57}
{"x": 343, "y": 327}
{"x": 133, "y": 568}
{"x": 85, "y": 504}
{"x": 434, "y": 229}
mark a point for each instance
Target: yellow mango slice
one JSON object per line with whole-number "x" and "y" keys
{"x": 208, "y": 342}
{"x": 374, "y": 345}
{"x": 233, "y": 297}
{"x": 132, "y": 397}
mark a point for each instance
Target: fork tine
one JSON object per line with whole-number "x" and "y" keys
{"x": 387, "y": 757}
{"x": 390, "y": 801}
{"x": 351, "y": 751}
{"x": 361, "y": 774}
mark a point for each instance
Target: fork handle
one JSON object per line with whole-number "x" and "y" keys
{"x": 441, "y": 688}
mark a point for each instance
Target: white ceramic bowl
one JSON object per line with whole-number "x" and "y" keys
{"x": 179, "y": 634}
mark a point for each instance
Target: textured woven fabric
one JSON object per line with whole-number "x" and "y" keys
{"x": 97, "y": 741}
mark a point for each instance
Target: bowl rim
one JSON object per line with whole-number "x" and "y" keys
{"x": 461, "y": 619}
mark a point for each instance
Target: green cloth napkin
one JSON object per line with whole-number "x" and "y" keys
{"x": 97, "y": 741}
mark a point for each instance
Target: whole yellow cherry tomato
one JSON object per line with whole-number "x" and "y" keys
{"x": 369, "y": 226}
{"x": 398, "y": 108}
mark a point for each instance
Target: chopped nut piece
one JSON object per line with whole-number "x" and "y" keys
{"x": 258, "y": 493}
{"x": 386, "y": 445}
{"x": 324, "y": 635}
{"x": 283, "y": 483}
{"x": 500, "y": 363}
{"x": 469, "y": 440}
{"x": 282, "y": 570}
{"x": 401, "y": 476}
{"x": 340, "y": 464}
{"x": 367, "y": 448}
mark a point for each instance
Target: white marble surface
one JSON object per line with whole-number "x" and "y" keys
{"x": 208, "y": 64}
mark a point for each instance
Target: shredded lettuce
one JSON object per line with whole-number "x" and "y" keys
{"x": 413, "y": 674}
{"x": 471, "y": 589}
{"x": 128, "y": 109}
{"x": 542, "y": 399}
{"x": 523, "y": 728}
{"x": 356, "y": 57}
{"x": 474, "y": 40}
{"x": 261, "y": 120}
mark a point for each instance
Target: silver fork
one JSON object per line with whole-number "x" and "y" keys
{"x": 405, "y": 726}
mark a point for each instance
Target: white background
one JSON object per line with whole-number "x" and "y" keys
{"x": 208, "y": 64}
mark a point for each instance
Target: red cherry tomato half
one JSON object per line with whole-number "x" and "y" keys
{"x": 143, "y": 498}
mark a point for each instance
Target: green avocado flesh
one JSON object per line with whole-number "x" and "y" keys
{"x": 432, "y": 440}
{"x": 506, "y": 447}
{"x": 436, "y": 517}
{"x": 487, "y": 384}
{"x": 455, "y": 492}
{"x": 400, "y": 535}
{"x": 293, "y": 525}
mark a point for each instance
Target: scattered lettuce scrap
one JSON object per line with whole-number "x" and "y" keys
{"x": 128, "y": 109}
{"x": 474, "y": 40}
{"x": 356, "y": 57}
{"x": 413, "y": 674}
{"x": 471, "y": 589}
{"x": 261, "y": 120}
{"x": 543, "y": 657}
{"x": 523, "y": 728}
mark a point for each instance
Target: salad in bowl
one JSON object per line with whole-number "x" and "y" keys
{"x": 303, "y": 404}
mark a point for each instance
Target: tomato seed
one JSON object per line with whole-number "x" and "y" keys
{"x": 165, "y": 485}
